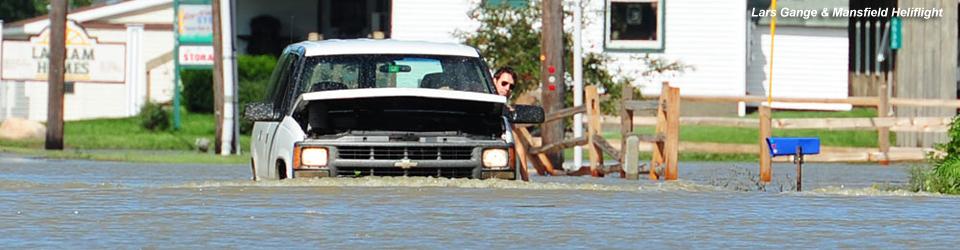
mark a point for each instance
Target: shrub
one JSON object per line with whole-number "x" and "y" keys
{"x": 197, "y": 90}
{"x": 943, "y": 173}
{"x": 253, "y": 75}
{"x": 154, "y": 117}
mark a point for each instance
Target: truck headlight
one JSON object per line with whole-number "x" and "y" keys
{"x": 495, "y": 158}
{"x": 313, "y": 157}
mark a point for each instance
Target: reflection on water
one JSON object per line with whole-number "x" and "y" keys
{"x": 46, "y": 204}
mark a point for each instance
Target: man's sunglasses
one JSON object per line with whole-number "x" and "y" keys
{"x": 506, "y": 84}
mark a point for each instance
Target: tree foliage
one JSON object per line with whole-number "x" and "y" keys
{"x": 16, "y": 10}
{"x": 943, "y": 176}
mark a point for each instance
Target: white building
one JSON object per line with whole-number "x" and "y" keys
{"x": 143, "y": 28}
{"x": 726, "y": 47}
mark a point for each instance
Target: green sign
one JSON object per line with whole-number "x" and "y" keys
{"x": 195, "y": 22}
{"x": 896, "y": 33}
{"x": 510, "y": 3}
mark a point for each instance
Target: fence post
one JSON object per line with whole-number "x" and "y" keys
{"x": 626, "y": 116}
{"x": 658, "y": 157}
{"x": 883, "y": 133}
{"x": 593, "y": 129}
{"x": 631, "y": 163}
{"x": 672, "y": 143}
{"x": 765, "y": 171}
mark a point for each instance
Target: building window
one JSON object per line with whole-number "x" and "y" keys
{"x": 634, "y": 25}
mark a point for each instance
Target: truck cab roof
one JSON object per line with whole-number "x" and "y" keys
{"x": 384, "y": 46}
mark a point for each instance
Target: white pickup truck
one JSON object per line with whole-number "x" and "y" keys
{"x": 383, "y": 108}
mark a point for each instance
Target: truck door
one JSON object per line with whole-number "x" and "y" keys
{"x": 264, "y": 132}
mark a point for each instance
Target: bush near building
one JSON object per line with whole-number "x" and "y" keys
{"x": 943, "y": 175}
{"x": 154, "y": 117}
{"x": 253, "y": 74}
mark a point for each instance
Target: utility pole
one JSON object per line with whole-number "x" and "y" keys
{"x": 58, "y": 51}
{"x": 224, "y": 78}
{"x": 217, "y": 76}
{"x": 551, "y": 74}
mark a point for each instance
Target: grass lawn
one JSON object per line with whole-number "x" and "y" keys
{"x": 151, "y": 156}
{"x": 126, "y": 133}
{"x": 716, "y": 134}
{"x": 95, "y": 140}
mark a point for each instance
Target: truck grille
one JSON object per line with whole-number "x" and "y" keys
{"x": 433, "y": 171}
{"x": 398, "y": 153}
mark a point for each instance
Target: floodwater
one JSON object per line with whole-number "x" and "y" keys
{"x": 83, "y": 204}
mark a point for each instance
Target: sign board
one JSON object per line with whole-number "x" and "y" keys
{"x": 195, "y": 23}
{"x": 196, "y": 55}
{"x": 510, "y": 3}
{"x": 87, "y": 60}
{"x": 896, "y": 33}
{"x": 780, "y": 146}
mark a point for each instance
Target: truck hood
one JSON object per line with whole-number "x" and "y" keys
{"x": 403, "y": 92}
{"x": 401, "y": 111}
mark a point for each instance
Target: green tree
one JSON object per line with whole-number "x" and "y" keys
{"x": 943, "y": 173}
{"x": 16, "y": 10}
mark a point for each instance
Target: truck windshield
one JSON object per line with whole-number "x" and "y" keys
{"x": 323, "y": 73}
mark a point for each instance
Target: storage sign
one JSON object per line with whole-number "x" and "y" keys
{"x": 196, "y": 55}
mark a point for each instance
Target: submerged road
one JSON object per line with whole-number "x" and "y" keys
{"x": 84, "y": 204}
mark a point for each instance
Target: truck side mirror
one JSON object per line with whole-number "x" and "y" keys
{"x": 526, "y": 114}
{"x": 260, "y": 111}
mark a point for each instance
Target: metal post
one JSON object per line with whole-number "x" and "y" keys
{"x": 176, "y": 65}
{"x": 229, "y": 84}
{"x": 798, "y": 159}
{"x": 856, "y": 48}
{"x": 58, "y": 51}
{"x": 876, "y": 35}
{"x": 577, "y": 83}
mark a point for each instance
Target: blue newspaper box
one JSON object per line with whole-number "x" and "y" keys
{"x": 780, "y": 146}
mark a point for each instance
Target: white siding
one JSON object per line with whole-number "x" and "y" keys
{"x": 431, "y": 20}
{"x": 708, "y": 35}
{"x": 808, "y": 62}
{"x": 28, "y": 99}
{"x": 705, "y": 34}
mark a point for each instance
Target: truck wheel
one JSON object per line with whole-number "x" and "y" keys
{"x": 253, "y": 170}
{"x": 281, "y": 170}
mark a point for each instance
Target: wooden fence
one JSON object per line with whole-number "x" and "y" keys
{"x": 665, "y": 143}
{"x": 883, "y": 123}
{"x": 665, "y": 139}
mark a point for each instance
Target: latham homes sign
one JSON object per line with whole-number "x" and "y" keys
{"x": 87, "y": 60}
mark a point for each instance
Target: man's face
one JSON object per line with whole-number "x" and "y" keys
{"x": 504, "y": 84}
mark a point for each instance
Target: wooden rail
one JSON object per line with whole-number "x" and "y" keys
{"x": 897, "y": 124}
{"x": 855, "y": 101}
{"x": 883, "y": 123}
{"x": 666, "y": 139}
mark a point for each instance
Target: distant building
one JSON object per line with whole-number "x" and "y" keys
{"x": 817, "y": 57}
{"x": 143, "y": 31}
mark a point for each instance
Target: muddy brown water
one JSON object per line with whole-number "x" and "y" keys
{"x": 84, "y": 204}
